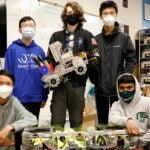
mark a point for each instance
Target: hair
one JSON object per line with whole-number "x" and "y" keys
{"x": 126, "y": 79}
{"x": 24, "y": 19}
{"x": 8, "y": 74}
{"x": 107, "y": 4}
{"x": 77, "y": 10}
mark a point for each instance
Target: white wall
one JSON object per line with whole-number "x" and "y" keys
{"x": 16, "y": 9}
{"x": 131, "y": 16}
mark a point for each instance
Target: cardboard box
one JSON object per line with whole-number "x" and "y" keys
{"x": 90, "y": 116}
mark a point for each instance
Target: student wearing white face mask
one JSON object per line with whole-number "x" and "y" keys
{"x": 14, "y": 117}
{"x": 28, "y": 88}
{"x": 117, "y": 56}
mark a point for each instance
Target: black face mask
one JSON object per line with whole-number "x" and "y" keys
{"x": 72, "y": 19}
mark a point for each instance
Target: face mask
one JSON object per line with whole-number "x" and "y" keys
{"x": 28, "y": 32}
{"x": 109, "y": 20}
{"x": 72, "y": 19}
{"x": 5, "y": 91}
{"x": 127, "y": 96}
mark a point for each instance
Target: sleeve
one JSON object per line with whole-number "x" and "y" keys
{"x": 45, "y": 91}
{"x": 146, "y": 137}
{"x": 94, "y": 57}
{"x": 49, "y": 56}
{"x": 130, "y": 56}
{"x": 115, "y": 115}
{"x": 23, "y": 117}
{"x": 91, "y": 44}
{"x": 9, "y": 60}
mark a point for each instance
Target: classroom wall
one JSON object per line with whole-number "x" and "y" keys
{"x": 16, "y": 9}
{"x": 131, "y": 16}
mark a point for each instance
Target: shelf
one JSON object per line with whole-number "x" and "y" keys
{"x": 144, "y": 56}
{"x": 145, "y": 75}
{"x": 145, "y": 45}
{"x": 145, "y": 68}
{"x": 145, "y": 59}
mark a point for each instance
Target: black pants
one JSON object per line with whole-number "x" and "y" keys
{"x": 67, "y": 97}
{"x": 34, "y": 108}
{"x": 103, "y": 105}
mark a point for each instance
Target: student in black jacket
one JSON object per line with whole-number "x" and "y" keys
{"x": 69, "y": 95}
{"x": 117, "y": 56}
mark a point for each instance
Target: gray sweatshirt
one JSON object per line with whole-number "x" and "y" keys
{"x": 138, "y": 110}
{"x": 15, "y": 114}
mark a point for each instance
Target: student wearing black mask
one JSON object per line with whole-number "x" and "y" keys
{"x": 69, "y": 95}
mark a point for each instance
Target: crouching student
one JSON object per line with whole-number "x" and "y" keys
{"x": 132, "y": 110}
{"x": 13, "y": 116}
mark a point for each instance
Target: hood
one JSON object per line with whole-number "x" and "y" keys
{"x": 19, "y": 42}
{"x": 137, "y": 94}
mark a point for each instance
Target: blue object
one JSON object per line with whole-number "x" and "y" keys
{"x": 44, "y": 70}
{"x": 91, "y": 91}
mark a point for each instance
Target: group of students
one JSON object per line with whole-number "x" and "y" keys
{"x": 111, "y": 62}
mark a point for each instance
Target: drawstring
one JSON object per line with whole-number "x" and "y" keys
{"x": 109, "y": 102}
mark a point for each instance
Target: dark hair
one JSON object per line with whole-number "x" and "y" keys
{"x": 126, "y": 79}
{"x": 8, "y": 74}
{"x": 24, "y": 19}
{"x": 77, "y": 10}
{"x": 107, "y": 4}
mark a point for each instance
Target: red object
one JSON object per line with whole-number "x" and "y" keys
{"x": 51, "y": 67}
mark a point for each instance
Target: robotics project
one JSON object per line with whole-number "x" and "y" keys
{"x": 49, "y": 139}
{"x": 67, "y": 62}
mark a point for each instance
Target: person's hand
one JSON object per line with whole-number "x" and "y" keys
{"x": 132, "y": 127}
{"x": 94, "y": 63}
{"x": 4, "y": 134}
{"x": 43, "y": 104}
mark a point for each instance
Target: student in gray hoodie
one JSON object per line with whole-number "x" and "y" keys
{"x": 132, "y": 110}
{"x": 13, "y": 116}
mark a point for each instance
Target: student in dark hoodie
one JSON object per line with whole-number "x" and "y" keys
{"x": 19, "y": 61}
{"x": 117, "y": 56}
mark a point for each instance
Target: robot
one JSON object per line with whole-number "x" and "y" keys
{"x": 67, "y": 62}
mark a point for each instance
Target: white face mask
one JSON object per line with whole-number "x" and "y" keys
{"x": 28, "y": 32}
{"x": 109, "y": 20}
{"x": 5, "y": 91}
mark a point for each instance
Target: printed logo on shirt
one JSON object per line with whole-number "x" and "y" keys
{"x": 94, "y": 41}
{"x": 80, "y": 41}
{"x": 26, "y": 61}
{"x": 141, "y": 116}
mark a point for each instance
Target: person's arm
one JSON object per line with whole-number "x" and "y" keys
{"x": 115, "y": 115}
{"x": 5, "y": 132}
{"x": 49, "y": 56}
{"x": 94, "y": 57}
{"x": 130, "y": 56}
{"x": 116, "y": 118}
{"x": 23, "y": 117}
{"x": 91, "y": 45}
{"x": 132, "y": 127}
{"x": 45, "y": 91}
